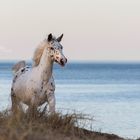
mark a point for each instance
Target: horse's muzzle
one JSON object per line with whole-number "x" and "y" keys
{"x": 63, "y": 61}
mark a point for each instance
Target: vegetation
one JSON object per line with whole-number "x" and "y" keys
{"x": 39, "y": 126}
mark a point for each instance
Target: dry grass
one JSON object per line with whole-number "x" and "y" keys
{"x": 39, "y": 126}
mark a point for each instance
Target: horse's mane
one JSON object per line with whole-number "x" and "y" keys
{"x": 38, "y": 53}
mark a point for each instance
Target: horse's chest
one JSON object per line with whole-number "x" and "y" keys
{"x": 34, "y": 96}
{"x": 39, "y": 92}
{"x": 40, "y": 98}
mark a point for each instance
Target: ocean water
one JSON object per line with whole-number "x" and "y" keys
{"x": 108, "y": 92}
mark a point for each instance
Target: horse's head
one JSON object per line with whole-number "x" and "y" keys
{"x": 55, "y": 50}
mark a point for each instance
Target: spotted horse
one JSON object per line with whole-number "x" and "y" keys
{"x": 35, "y": 86}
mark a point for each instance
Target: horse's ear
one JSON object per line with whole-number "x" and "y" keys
{"x": 59, "y": 38}
{"x": 50, "y": 37}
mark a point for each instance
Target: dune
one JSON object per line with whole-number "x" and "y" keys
{"x": 39, "y": 126}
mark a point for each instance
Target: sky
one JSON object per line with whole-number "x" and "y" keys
{"x": 94, "y": 30}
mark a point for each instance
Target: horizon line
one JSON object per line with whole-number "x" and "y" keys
{"x": 81, "y": 61}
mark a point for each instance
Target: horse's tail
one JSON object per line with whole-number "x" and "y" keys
{"x": 18, "y": 66}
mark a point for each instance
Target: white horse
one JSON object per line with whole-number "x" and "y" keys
{"x": 35, "y": 86}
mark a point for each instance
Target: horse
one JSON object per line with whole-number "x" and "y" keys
{"x": 35, "y": 86}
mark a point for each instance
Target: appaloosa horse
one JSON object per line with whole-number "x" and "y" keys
{"x": 35, "y": 86}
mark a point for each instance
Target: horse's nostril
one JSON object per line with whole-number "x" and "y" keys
{"x": 61, "y": 61}
{"x": 66, "y": 60}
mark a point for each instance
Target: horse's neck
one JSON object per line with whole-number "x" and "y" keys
{"x": 45, "y": 66}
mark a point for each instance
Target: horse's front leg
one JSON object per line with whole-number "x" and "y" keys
{"x": 51, "y": 101}
{"x": 32, "y": 108}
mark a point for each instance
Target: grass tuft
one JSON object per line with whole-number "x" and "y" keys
{"x": 42, "y": 126}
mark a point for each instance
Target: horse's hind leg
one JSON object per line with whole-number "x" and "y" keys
{"x": 14, "y": 102}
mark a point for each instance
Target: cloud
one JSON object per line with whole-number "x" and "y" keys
{"x": 5, "y": 50}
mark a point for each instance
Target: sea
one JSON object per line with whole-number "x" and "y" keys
{"x": 108, "y": 92}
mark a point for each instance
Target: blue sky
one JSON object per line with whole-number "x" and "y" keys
{"x": 94, "y": 30}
